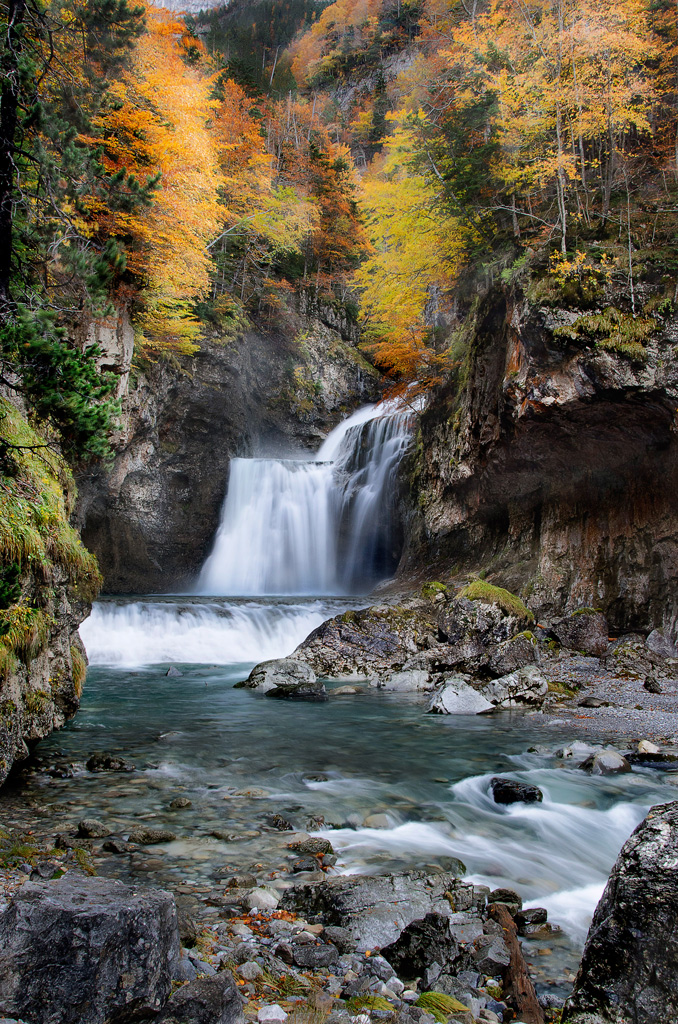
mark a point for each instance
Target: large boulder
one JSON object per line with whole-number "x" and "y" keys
{"x": 585, "y": 630}
{"x": 90, "y": 950}
{"x": 628, "y": 969}
{"x": 458, "y": 697}
{"x": 285, "y": 677}
{"x": 370, "y": 642}
{"x": 525, "y": 687}
{"x": 376, "y": 910}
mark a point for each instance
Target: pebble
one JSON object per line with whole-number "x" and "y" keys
{"x": 274, "y": 1014}
{"x": 261, "y": 899}
{"x": 250, "y": 970}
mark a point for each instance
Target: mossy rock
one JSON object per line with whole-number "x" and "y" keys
{"x": 478, "y": 590}
{"x": 431, "y": 590}
{"x": 440, "y": 1005}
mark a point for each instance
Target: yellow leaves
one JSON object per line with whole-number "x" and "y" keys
{"x": 284, "y": 218}
{"x": 417, "y": 253}
{"x": 160, "y": 125}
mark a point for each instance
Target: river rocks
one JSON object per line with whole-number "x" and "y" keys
{"x": 284, "y": 673}
{"x": 508, "y": 791}
{"x": 421, "y": 944}
{"x": 151, "y": 836}
{"x": 458, "y": 697}
{"x": 85, "y": 949}
{"x": 509, "y": 897}
{"x": 311, "y": 957}
{"x": 527, "y": 686}
{"x": 376, "y": 910}
{"x": 660, "y": 644}
{"x": 300, "y": 691}
{"x": 312, "y": 844}
{"x": 101, "y": 762}
{"x": 628, "y": 969}
{"x": 585, "y": 630}
{"x": 90, "y": 828}
{"x": 605, "y": 762}
{"x": 262, "y": 898}
{"x": 205, "y": 1001}
{"x": 513, "y": 654}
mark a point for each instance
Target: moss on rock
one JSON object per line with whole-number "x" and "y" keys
{"x": 478, "y": 590}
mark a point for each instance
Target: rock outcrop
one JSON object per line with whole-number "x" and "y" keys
{"x": 47, "y": 581}
{"x": 87, "y": 950}
{"x": 151, "y": 517}
{"x": 555, "y": 468}
{"x": 628, "y": 970}
{"x": 376, "y": 910}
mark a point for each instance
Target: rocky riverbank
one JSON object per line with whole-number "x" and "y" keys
{"x": 478, "y": 648}
{"x": 414, "y": 948}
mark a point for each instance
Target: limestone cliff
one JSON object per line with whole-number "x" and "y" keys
{"x": 47, "y": 581}
{"x": 552, "y": 467}
{"x": 150, "y": 518}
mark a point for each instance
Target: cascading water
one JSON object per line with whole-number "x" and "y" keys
{"x": 323, "y": 526}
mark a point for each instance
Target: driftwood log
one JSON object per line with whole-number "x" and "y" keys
{"x": 517, "y": 981}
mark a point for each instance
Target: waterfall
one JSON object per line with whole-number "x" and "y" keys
{"x": 318, "y": 526}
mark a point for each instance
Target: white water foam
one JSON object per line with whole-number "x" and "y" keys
{"x": 556, "y": 854}
{"x": 156, "y": 632}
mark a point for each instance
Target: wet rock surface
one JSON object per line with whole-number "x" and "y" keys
{"x": 627, "y": 974}
{"x": 523, "y": 473}
{"x": 508, "y": 791}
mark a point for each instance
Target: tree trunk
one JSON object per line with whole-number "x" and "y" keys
{"x": 9, "y": 118}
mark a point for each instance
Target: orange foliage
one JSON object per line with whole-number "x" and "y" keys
{"x": 159, "y": 127}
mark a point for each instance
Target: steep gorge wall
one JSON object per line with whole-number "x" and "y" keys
{"x": 150, "y": 517}
{"x": 554, "y": 472}
{"x": 47, "y": 581}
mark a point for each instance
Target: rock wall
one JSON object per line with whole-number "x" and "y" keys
{"x": 554, "y": 471}
{"x": 47, "y": 581}
{"x": 151, "y": 516}
{"x": 41, "y": 690}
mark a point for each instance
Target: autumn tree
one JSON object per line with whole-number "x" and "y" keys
{"x": 56, "y": 65}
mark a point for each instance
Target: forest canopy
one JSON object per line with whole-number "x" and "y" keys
{"x": 385, "y": 155}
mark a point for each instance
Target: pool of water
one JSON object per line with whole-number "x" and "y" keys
{"x": 240, "y": 758}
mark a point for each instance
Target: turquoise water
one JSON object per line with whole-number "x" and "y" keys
{"x": 241, "y": 758}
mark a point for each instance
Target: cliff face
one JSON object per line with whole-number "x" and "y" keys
{"x": 556, "y": 470}
{"x": 151, "y": 517}
{"x": 47, "y": 581}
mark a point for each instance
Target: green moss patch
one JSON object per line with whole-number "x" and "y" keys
{"x": 440, "y": 1005}
{"x": 36, "y": 498}
{"x": 478, "y": 590}
{"x": 613, "y": 330}
{"x": 433, "y": 589}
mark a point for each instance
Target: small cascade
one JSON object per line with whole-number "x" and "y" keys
{"x": 322, "y": 526}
